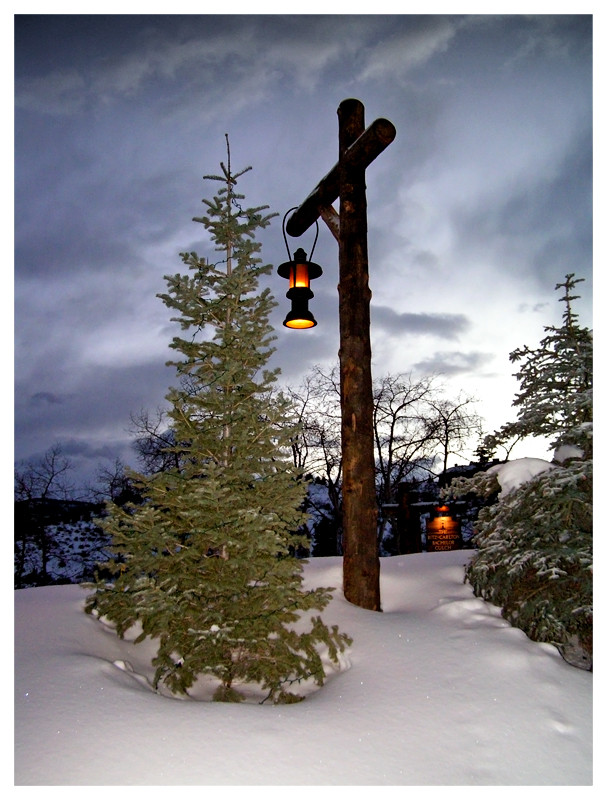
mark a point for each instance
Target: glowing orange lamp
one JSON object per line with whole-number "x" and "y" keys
{"x": 299, "y": 273}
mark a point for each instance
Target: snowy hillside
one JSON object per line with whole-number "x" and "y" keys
{"x": 437, "y": 690}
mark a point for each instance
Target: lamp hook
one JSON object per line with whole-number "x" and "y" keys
{"x": 284, "y": 234}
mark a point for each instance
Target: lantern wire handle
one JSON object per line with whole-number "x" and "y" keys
{"x": 284, "y": 235}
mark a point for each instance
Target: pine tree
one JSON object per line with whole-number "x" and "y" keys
{"x": 555, "y": 397}
{"x": 205, "y": 565}
{"x": 534, "y": 556}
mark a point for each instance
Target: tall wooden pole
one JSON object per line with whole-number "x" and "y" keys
{"x": 360, "y": 548}
{"x": 357, "y": 149}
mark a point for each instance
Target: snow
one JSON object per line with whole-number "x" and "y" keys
{"x": 512, "y": 474}
{"x": 565, "y": 451}
{"x": 438, "y": 690}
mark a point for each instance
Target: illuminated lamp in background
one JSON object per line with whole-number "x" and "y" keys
{"x": 299, "y": 272}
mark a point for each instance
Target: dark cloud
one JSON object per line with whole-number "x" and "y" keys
{"x": 444, "y": 326}
{"x": 46, "y": 398}
{"x": 86, "y": 461}
{"x": 90, "y": 458}
{"x": 536, "y": 309}
{"x": 97, "y": 408}
{"x": 454, "y": 363}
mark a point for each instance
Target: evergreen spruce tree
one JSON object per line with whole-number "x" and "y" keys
{"x": 205, "y": 565}
{"x": 534, "y": 556}
{"x": 555, "y": 397}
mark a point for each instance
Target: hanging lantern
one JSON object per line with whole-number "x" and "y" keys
{"x": 299, "y": 272}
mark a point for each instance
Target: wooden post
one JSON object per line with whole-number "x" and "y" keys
{"x": 357, "y": 149}
{"x": 361, "y": 556}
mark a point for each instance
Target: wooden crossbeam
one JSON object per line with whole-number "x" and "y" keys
{"x": 361, "y": 153}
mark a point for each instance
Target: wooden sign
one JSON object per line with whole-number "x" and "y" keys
{"x": 443, "y": 533}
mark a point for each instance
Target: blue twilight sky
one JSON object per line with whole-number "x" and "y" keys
{"x": 478, "y": 208}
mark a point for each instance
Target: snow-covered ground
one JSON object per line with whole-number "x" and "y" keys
{"x": 439, "y": 690}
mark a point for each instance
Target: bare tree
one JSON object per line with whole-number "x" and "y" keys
{"x": 36, "y": 483}
{"x": 155, "y": 444}
{"x": 490, "y": 442}
{"x": 317, "y": 448}
{"x": 404, "y": 441}
{"x": 44, "y": 478}
{"x": 412, "y": 420}
{"x": 115, "y": 484}
{"x": 452, "y": 424}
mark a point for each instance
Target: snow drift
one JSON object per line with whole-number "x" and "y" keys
{"x": 440, "y": 690}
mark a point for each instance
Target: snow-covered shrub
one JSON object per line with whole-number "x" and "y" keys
{"x": 534, "y": 556}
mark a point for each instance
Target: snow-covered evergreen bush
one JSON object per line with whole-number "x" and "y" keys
{"x": 534, "y": 556}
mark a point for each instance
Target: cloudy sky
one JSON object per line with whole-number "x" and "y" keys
{"x": 481, "y": 204}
